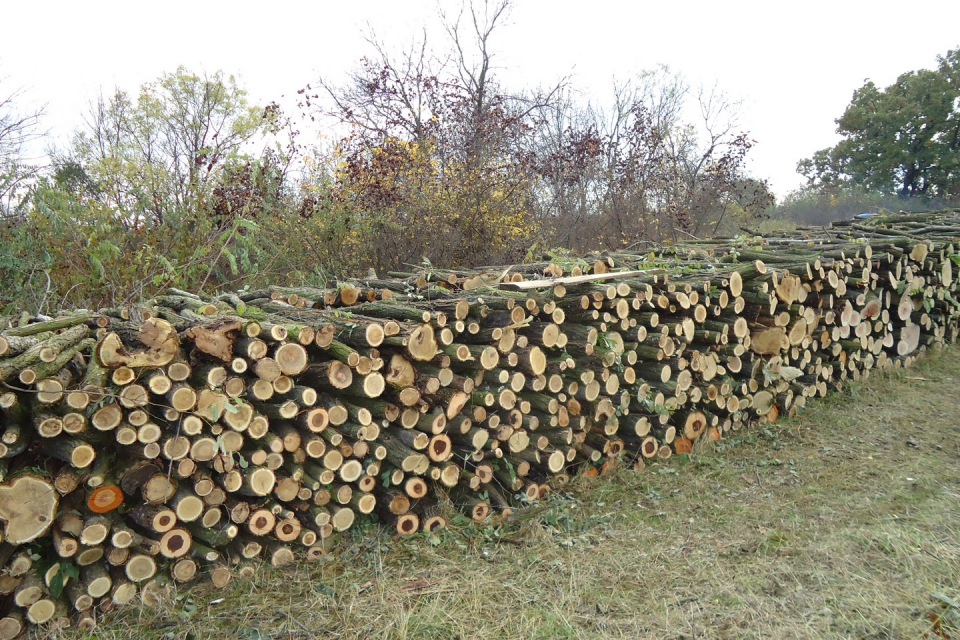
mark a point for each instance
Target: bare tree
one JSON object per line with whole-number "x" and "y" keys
{"x": 445, "y": 119}
{"x": 17, "y": 131}
{"x": 471, "y": 32}
{"x": 387, "y": 96}
{"x": 438, "y": 154}
{"x": 653, "y": 164}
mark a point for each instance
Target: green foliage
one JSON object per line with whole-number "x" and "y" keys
{"x": 901, "y": 139}
{"x": 158, "y": 192}
{"x": 394, "y": 203}
{"x": 157, "y": 156}
{"x": 68, "y": 571}
{"x": 74, "y": 250}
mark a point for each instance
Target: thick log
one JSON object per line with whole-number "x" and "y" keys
{"x": 154, "y": 345}
{"x": 27, "y": 507}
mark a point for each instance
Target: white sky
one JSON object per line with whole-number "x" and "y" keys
{"x": 795, "y": 65}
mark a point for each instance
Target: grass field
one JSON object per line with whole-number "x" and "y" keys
{"x": 842, "y": 523}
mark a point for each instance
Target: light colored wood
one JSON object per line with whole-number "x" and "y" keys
{"x": 28, "y": 505}
{"x": 526, "y": 285}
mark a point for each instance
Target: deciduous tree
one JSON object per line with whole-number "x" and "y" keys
{"x": 904, "y": 138}
{"x": 158, "y": 156}
{"x": 436, "y": 162}
{"x": 661, "y": 162}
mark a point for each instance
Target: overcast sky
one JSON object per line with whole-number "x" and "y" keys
{"x": 794, "y": 65}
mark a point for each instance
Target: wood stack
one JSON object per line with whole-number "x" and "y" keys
{"x": 178, "y": 440}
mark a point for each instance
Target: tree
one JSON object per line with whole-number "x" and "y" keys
{"x": 435, "y": 162}
{"x": 17, "y": 131}
{"x": 165, "y": 190}
{"x": 441, "y": 160}
{"x": 159, "y": 156}
{"x": 641, "y": 169}
{"x": 902, "y": 139}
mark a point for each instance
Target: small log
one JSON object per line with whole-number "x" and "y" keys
{"x": 104, "y": 498}
{"x": 140, "y": 568}
{"x": 175, "y": 543}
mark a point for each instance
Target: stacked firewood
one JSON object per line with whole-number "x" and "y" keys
{"x": 186, "y": 437}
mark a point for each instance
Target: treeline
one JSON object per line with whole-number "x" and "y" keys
{"x": 427, "y": 157}
{"x": 818, "y": 206}
{"x": 189, "y": 184}
{"x": 899, "y": 150}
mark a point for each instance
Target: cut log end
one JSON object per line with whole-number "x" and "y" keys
{"x": 422, "y": 345}
{"x": 339, "y": 375}
{"x": 292, "y": 358}
{"x": 160, "y": 346}
{"x": 694, "y": 425}
{"x": 105, "y": 498}
{"x": 217, "y": 338}
{"x": 408, "y": 524}
{"x": 175, "y": 543}
{"x": 27, "y": 507}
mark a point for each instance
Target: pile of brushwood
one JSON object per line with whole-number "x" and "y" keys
{"x": 184, "y": 438}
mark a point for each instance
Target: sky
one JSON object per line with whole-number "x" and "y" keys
{"x": 793, "y": 65}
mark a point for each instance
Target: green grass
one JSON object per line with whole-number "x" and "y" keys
{"x": 841, "y": 523}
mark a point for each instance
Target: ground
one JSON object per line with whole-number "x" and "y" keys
{"x": 841, "y": 523}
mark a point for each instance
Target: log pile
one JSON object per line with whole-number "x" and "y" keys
{"x": 183, "y": 438}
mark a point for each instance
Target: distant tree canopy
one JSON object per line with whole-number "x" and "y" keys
{"x": 902, "y": 139}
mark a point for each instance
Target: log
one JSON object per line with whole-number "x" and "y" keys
{"x": 104, "y": 498}
{"x": 28, "y": 505}
{"x": 154, "y": 345}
